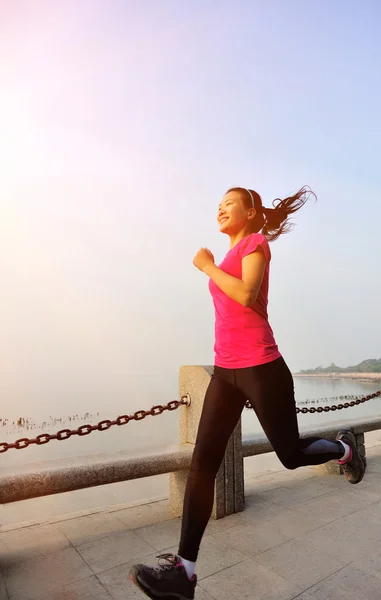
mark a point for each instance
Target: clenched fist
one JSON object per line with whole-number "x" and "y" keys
{"x": 203, "y": 259}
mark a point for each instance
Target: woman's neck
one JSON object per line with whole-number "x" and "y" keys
{"x": 237, "y": 237}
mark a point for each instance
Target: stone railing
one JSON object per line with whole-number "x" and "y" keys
{"x": 54, "y": 477}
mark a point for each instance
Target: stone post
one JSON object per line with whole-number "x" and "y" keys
{"x": 229, "y": 484}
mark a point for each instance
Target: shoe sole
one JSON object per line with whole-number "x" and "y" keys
{"x": 353, "y": 445}
{"x": 135, "y": 578}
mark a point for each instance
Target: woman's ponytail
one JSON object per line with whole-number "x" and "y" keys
{"x": 277, "y": 218}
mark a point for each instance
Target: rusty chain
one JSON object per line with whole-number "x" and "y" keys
{"x": 139, "y": 415}
{"x": 65, "y": 434}
{"x": 328, "y": 408}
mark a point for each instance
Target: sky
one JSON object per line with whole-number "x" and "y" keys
{"x": 122, "y": 124}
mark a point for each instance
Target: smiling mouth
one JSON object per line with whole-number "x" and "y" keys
{"x": 223, "y": 220}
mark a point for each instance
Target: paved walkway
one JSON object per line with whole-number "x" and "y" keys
{"x": 302, "y": 535}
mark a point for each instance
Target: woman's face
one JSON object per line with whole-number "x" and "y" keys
{"x": 232, "y": 215}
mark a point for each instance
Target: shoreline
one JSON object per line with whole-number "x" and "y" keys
{"x": 352, "y": 376}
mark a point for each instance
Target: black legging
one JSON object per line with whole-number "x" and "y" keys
{"x": 270, "y": 389}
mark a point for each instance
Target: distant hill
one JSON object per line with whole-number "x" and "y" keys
{"x": 371, "y": 365}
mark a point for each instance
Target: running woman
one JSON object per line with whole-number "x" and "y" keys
{"x": 248, "y": 365}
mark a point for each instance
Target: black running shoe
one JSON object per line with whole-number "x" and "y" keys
{"x": 354, "y": 468}
{"x": 166, "y": 581}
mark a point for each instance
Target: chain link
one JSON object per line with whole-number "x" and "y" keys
{"x": 65, "y": 434}
{"x": 328, "y": 408}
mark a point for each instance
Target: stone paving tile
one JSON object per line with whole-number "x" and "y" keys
{"x": 147, "y": 514}
{"x": 293, "y": 524}
{"x": 289, "y": 496}
{"x": 258, "y": 484}
{"x": 374, "y": 509}
{"x": 331, "y": 507}
{"x": 217, "y": 525}
{"x": 371, "y": 482}
{"x": 86, "y": 529}
{"x": 202, "y": 594}
{"x": 114, "y": 550}
{"x": 300, "y": 562}
{"x": 116, "y": 580}
{"x": 289, "y": 521}
{"x": 373, "y": 463}
{"x": 21, "y": 544}
{"x": 348, "y": 537}
{"x": 250, "y": 539}
{"x": 258, "y": 510}
{"x": 3, "y": 589}
{"x": 215, "y": 555}
{"x": 46, "y": 520}
{"x": 161, "y": 535}
{"x": 85, "y": 589}
{"x": 39, "y": 577}
{"x": 347, "y": 584}
{"x": 248, "y": 581}
{"x": 373, "y": 472}
{"x": 370, "y": 563}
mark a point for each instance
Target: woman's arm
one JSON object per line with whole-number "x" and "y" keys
{"x": 245, "y": 290}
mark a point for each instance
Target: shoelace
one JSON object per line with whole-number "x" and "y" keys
{"x": 169, "y": 561}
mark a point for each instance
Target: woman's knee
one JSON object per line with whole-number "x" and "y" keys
{"x": 292, "y": 460}
{"x": 206, "y": 458}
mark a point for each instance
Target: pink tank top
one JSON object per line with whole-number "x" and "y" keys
{"x": 243, "y": 336}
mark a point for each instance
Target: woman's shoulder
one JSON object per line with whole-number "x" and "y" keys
{"x": 254, "y": 241}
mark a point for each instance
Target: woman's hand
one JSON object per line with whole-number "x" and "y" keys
{"x": 203, "y": 259}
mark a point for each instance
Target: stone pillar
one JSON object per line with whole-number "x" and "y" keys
{"x": 229, "y": 484}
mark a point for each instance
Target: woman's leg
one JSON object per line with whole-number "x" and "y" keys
{"x": 174, "y": 576}
{"x": 270, "y": 390}
{"x": 222, "y": 409}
